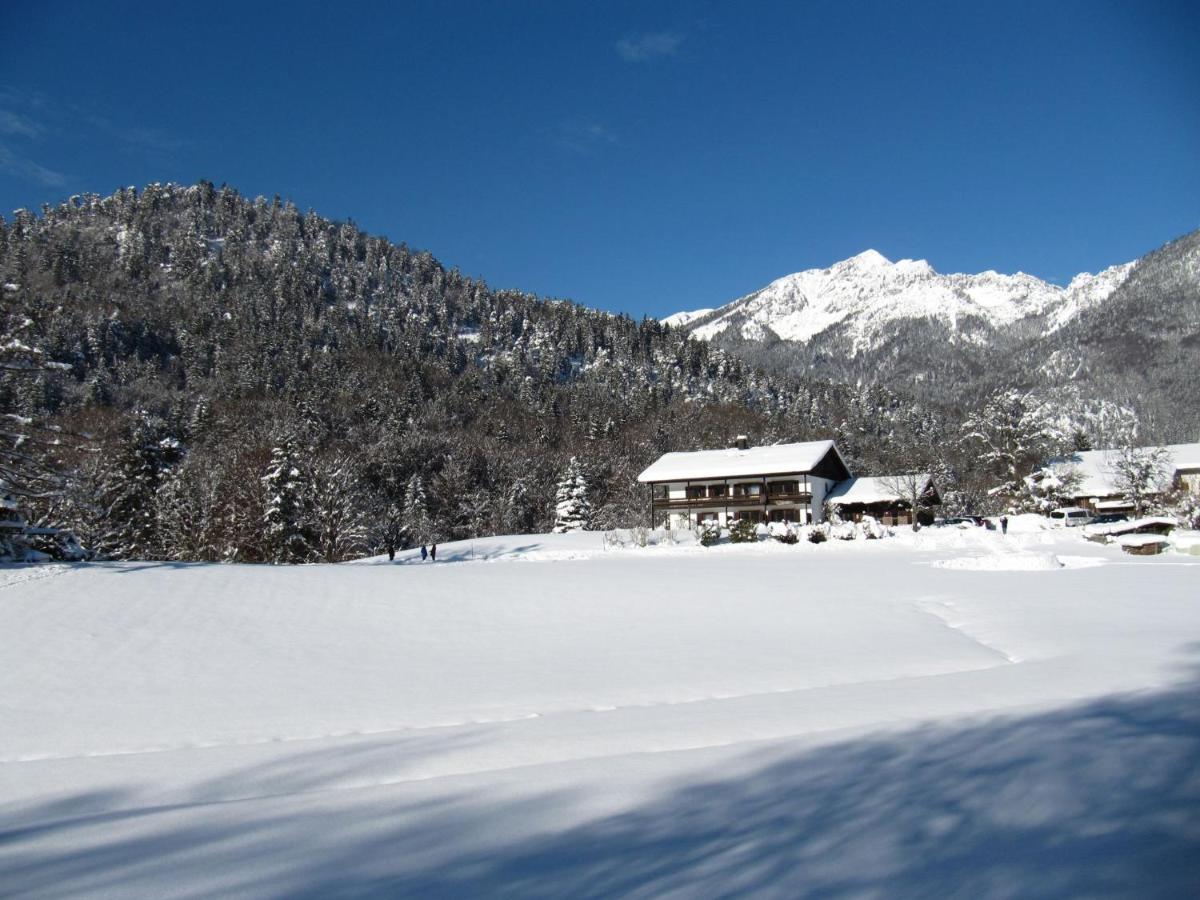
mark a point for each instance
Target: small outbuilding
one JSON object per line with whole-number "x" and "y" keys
{"x": 888, "y": 498}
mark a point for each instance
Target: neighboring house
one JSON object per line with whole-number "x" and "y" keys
{"x": 1098, "y": 488}
{"x": 780, "y": 483}
{"x": 883, "y": 497}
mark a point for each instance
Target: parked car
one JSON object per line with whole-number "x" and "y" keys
{"x": 981, "y": 521}
{"x": 955, "y": 520}
{"x": 1070, "y": 516}
{"x": 1109, "y": 518}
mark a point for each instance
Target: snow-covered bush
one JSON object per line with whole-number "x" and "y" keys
{"x": 710, "y": 533}
{"x": 1185, "y": 506}
{"x": 843, "y": 531}
{"x": 786, "y": 536}
{"x": 871, "y": 528}
{"x": 743, "y": 531}
{"x": 817, "y": 534}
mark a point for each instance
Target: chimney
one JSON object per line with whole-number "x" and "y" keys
{"x": 742, "y": 442}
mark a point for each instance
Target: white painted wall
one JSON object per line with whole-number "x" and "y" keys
{"x": 820, "y": 488}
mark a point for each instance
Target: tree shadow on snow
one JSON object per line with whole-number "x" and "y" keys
{"x": 458, "y": 554}
{"x": 1101, "y": 798}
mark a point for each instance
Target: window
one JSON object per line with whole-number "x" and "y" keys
{"x": 695, "y": 493}
{"x": 718, "y": 490}
{"x": 751, "y": 489}
{"x": 750, "y": 515}
{"x": 660, "y": 492}
{"x": 784, "y": 487}
{"x": 705, "y": 517}
{"x": 785, "y": 515}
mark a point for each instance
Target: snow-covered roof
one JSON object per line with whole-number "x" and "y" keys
{"x": 1098, "y": 478}
{"x": 1130, "y": 527}
{"x": 777, "y": 459}
{"x": 873, "y": 489}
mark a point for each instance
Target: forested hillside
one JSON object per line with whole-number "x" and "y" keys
{"x": 246, "y": 381}
{"x": 1141, "y": 347}
{"x": 191, "y": 374}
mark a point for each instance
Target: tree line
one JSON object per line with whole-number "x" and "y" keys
{"x": 199, "y": 375}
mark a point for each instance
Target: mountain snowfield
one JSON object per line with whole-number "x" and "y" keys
{"x": 952, "y": 712}
{"x": 868, "y": 292}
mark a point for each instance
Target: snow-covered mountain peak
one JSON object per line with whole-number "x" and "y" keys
{"x": 916, "y": 267}
{"x": 867, "y": 293}
{"x": 868, "y": 259}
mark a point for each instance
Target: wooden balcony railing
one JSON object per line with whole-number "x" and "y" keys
{"x": 731, "y": 501}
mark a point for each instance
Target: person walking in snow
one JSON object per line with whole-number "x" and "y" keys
{"x": 424, "y": 553}
{"x": 433, "y": 553}
{"x": 1004, "y": 524}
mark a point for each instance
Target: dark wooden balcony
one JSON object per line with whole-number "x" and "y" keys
{"x": 740, "y": 501}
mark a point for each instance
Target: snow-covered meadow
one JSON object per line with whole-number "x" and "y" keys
{"x": 954, "y": 712}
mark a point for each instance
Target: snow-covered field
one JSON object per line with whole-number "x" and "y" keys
{"x": 952, "y": 713}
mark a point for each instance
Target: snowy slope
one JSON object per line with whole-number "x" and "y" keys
{"x": 868, "y": 293}
{"x": 933, "y": 714}
{"x": 680, "y": 319}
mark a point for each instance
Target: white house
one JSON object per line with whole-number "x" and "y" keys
{"x": 1098, "y": 487}
{"x": 779, "y": 483}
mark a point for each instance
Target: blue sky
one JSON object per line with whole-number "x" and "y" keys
{"x": 641, "y": 156}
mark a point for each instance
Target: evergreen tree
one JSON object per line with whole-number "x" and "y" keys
{"x": 334, "y": 510}
{"x": 572, "y": 511}
{"x": 128, "y": 521}
{"x": 285, "y": 486}
{"x": 1010, "y": 435}
{"x": 417, "y": 526}
{"x": 29, "y": 449}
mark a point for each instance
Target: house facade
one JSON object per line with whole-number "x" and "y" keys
{"x": 779, "y": 483}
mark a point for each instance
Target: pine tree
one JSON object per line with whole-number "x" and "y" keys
{"x": 572, "y": 511}
{"x": 1010, "y": 435}
{"x": 28, "y": 448}
{"x": 417, "y": 527}
{"x": 187, "y": 508}
{"x": 285, "y": 485}
{"x": 128, "y": 521}
{"x": 334, "y": 509}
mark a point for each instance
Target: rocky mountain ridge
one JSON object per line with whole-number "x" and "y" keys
{"x": 1125, "y": 338}
{"x": 867, "y": 297}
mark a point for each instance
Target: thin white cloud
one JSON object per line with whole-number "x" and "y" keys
{"x": 582, "y": 135}
{"x": 136, "y": 138}
{"x": 16, "y": 125}
{"x": 29, "y": 121}
{"x": 18, "y": 165}
{"x": 648, "y": 45}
